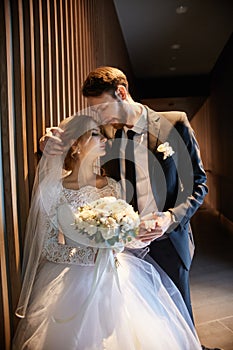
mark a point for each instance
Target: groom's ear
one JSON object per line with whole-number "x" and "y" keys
{"x": 121, "y": 93}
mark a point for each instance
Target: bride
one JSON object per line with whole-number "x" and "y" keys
{"x": 74, "y": 295}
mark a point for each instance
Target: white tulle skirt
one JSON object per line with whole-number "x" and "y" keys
{"x": 76, "y": 307}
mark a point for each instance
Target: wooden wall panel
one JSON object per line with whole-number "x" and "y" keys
{"x": 9, "y": 235}
{"x": 214, "y": 127}
{"x": 47, "y": 47}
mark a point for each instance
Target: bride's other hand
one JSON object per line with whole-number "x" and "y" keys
{"x": 51, "y": 143}
{"x": 154, "y": 225}
{"x": 149, "y": 234}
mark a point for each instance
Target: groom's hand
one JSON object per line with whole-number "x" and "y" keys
{"x": 51, "y": 142}
{"x": 154, "y": 225}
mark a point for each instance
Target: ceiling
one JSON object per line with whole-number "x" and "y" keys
{"x": 173, "y": 46}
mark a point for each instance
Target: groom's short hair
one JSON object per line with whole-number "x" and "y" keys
{"x": 104, "y": 79}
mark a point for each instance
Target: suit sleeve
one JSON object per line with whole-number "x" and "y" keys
{"x": 191, "y": 175}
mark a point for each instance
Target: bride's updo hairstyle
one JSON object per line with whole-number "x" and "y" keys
{"x": 75, "y": 129}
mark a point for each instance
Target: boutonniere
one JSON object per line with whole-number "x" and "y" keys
{"x": 166, "y": 149}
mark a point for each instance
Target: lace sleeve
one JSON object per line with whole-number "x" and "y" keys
{"x": 114, "y": 188}
{"x": 65, "y": 253}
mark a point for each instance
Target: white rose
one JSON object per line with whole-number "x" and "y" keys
{"x": 166, "y": 149}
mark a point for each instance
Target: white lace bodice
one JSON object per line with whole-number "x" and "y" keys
{"x": 70, "y": 252}
{"x": 87, "y": 194}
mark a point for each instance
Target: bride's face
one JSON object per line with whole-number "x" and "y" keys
{"x": 93, "y": 143}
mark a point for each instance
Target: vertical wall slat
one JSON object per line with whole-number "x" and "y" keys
{"x": 67, "y": 55}
{"x": 52, "y": 63}
{"x": 72, "y": 56}
{"x": 80, "y": 49}
{"x": 46, "y": 58}
{"x": 5, "y": 328}
{"x": 5, "y": 331}
{"x": 56, "y": 65}
{"x": 41, "y": 55}
{"x": 76, "y": 58}
{"x": 84, "y": 42}
{"x": 29, "y": 68}
{"x": 5, "y": 307}
{"x": 61, "y": 64}
{"x": 49, "y": 65}
{"x": 33, "y": 87}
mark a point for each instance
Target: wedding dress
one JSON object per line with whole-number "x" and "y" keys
{"x": 82, "y": 300}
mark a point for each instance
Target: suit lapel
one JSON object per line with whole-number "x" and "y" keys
{"x": 153, "y": 129}
{"x": 153, "y": 142}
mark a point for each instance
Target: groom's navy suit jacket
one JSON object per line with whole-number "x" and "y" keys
{"x": 178, "y": 182}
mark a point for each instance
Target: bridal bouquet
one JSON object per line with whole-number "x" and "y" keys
{"x": 108, "y": 220}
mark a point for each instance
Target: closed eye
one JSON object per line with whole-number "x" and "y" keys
{"x": 96, "y": 132}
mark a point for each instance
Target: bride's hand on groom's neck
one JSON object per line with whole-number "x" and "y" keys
{"x": 51, "y": 142}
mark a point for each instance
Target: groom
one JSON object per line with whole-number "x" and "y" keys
{"x": 170, "y": 182}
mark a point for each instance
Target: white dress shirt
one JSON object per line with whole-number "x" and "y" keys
{"x": 145, "y": 198}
